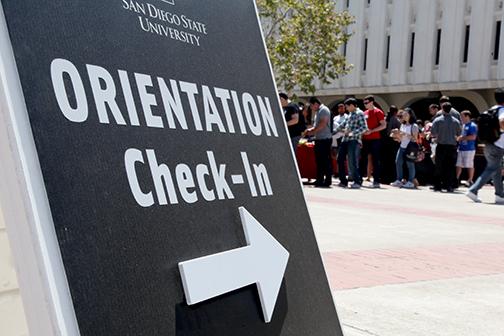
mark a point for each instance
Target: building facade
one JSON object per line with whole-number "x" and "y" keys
{"x": 410, "y": 52}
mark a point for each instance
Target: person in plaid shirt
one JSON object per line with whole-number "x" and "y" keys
{"x": 354, "y": 127}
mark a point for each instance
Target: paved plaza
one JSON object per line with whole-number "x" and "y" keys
{"x": 412, "y": 262}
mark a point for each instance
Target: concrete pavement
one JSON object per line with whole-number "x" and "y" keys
{"x": 412, "y": 262}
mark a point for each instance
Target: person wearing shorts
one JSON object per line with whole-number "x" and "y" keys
{"x": 467, "y": 147}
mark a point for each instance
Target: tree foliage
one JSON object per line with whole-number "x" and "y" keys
{"x": 303, "y": 39}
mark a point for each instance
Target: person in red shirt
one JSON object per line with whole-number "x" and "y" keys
{"x": 371, "y": 140}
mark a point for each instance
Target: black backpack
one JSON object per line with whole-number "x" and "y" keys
{"x": 489, "y": 126}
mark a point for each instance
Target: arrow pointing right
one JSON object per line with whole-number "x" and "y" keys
{"x": 262, "y": 262}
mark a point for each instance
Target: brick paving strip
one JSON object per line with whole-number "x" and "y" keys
{"x": 357, "y": 269}
{"x": 445, "y": 215}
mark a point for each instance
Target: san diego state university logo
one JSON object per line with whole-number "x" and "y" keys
{"x": 165, "y": 22}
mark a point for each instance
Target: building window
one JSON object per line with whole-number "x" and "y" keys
{"x": 412, "y": 50}
{"x": 345, "y": 46}
{"x": 438, "y": 46}
{"x": 347, "y": 3}
{"x": 497, "y": 40}
{"x": 387, "y": 57}
{"x": 365, "y": 54}
{"x": 466, "y": 44}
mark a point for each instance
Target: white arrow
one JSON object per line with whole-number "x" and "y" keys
{"x": 262, "y": 261}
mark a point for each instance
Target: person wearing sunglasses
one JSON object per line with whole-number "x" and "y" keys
{"x": 371, "y": 139}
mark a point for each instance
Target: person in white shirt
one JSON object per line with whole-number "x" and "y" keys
{"x": 336, "y": 138}
{"x": 494, "y": 154}
{"x": 407, "y": 133}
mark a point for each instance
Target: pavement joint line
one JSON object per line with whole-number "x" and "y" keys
{"x": 372, "y": 268}
{"x": 359, "y": 329}
{"x": 446, "y": 215}
{"x": 413, "y": 282}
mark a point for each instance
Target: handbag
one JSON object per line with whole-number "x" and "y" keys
{"x": 413, "y": 152}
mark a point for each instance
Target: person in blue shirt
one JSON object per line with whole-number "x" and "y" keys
{"x": 467, "y": 147}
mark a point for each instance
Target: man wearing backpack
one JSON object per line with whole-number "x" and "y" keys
{"x": 491, "y": 132}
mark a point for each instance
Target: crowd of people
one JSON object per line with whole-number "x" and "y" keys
{"x": 390, "y": 147}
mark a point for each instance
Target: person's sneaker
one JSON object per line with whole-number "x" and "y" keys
{"x": 376, "y": 185}
{"x": 355, "y": 186}
{"x": 409, "y": 185}
{"x": 499, "y": 200}
{"x": 342, "y": 185}
{"x": 396, "y": 184}
{"x": 474, "y": 197}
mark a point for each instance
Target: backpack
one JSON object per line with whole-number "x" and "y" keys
{"x": 489, "y": 126}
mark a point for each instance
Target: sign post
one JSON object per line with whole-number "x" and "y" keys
{"x": 146, "y": 174}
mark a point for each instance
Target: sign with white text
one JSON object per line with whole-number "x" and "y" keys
{"x": 171, "y": 184}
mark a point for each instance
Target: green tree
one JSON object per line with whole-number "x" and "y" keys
{"x": 303, "y": 38}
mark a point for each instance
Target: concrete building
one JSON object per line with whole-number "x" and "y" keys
{"x": 410, "y": 52}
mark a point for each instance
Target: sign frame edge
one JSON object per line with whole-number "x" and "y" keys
{"x": 41, "y": 275}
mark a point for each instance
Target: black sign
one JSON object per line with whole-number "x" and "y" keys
{"x": 158, "y": 132}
